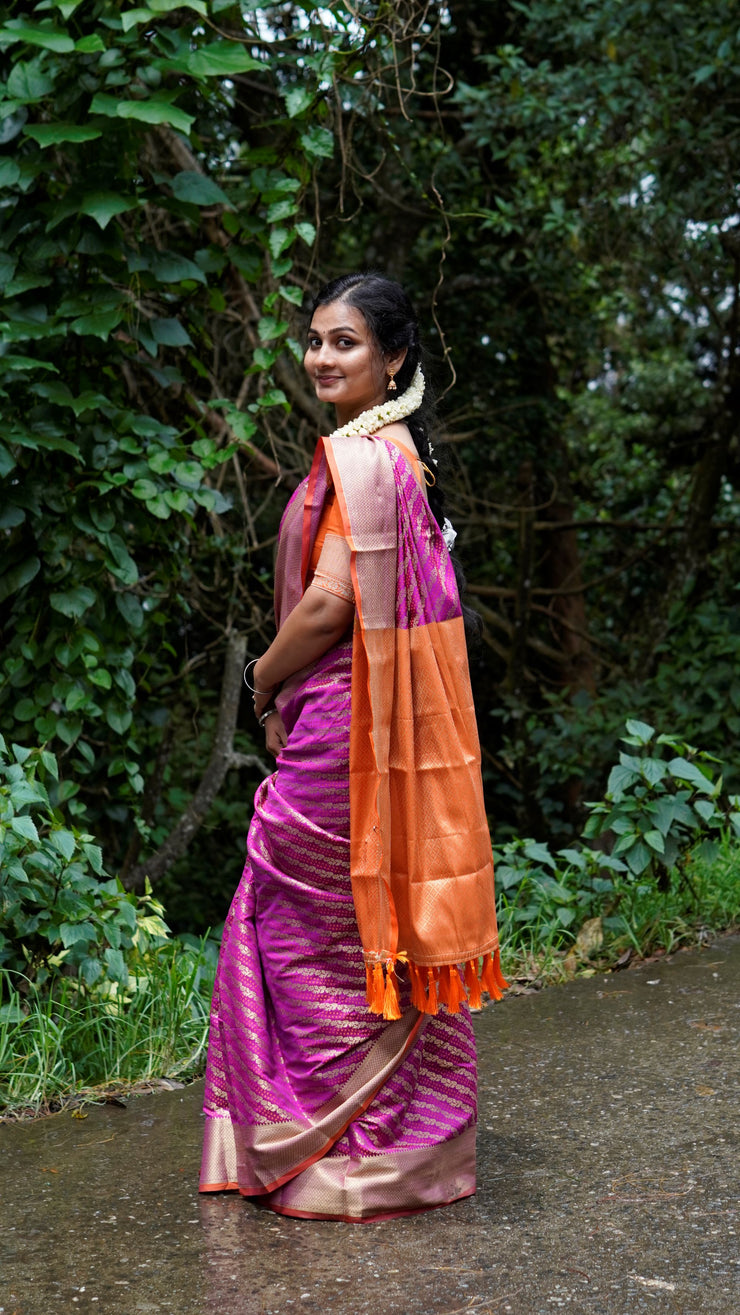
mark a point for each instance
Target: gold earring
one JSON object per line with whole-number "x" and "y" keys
{"x": 392, "y": 385}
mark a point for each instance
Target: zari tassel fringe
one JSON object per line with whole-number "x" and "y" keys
{"x": 431, "y": 987}
{"x": 491, "y": 977}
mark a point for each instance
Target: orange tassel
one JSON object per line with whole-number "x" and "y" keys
{"x": 443, "y": 989}
{"x": 391, "y": 1001}
{"x": 457, "y": 995}
{"x": 431, "y": 991}
{"x": 472, "y": 984}
{"x": 418, "y": 997}
{"x": 504, "y": 985}
{"x": 376, "y": 994}
{"x": 491, "y": 978}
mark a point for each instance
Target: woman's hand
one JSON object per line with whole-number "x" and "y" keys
{"x": 276, "y": 736}
{"x": 261, "y": 702}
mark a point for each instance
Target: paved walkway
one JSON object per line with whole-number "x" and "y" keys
{"x": 606, "y": 1182}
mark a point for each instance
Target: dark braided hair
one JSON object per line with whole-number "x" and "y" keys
{"x": 390, "y": 317}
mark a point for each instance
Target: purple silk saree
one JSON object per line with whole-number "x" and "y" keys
{"x": 315, "y": 1106}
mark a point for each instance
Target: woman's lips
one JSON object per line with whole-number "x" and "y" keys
{"x": 328, "y": 378}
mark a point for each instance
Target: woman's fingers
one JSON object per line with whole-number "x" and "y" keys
{"x": 276, "y": 736}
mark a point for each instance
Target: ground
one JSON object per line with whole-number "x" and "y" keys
{"x": 606, "y": 1182}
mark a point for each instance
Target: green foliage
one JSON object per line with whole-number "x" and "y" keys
{"x": 66, "y": 1043}
{"x": 174, "y": 183}
{"x": 663, "y": 818}
{"x": 658, "y": 807}
{"x": 58, "y": 913}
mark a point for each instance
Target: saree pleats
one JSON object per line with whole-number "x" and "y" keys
{"x": 315, "y": 1106}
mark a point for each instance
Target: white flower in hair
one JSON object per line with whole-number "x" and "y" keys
{"x": 449, "y": 534}
{"x": 369, "y": 422}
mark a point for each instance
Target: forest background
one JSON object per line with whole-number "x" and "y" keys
{"x": 557, "y": 187}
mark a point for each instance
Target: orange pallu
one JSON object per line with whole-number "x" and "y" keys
{"x": 420, "y": 850}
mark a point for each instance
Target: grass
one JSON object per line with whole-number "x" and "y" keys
{"x": 71, "y": 1044}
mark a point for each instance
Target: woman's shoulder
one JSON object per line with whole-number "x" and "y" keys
{"x": 399, "y": 434}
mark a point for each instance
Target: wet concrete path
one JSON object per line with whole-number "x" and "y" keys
{"x": 607, "y": 1182}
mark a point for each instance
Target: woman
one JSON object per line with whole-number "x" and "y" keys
{"x": 333, "y": 1091}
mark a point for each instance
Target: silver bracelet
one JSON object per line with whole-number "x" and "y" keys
{"x": 265, "y": 715}
{"x": 251, "y": 688}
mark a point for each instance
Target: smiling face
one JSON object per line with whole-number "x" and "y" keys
{"x": 344, "y": 362}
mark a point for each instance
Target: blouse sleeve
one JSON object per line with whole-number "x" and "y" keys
{"x": 333, "y": 568}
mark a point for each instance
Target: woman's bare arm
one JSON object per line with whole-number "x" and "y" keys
{"x": 313, "y": 627}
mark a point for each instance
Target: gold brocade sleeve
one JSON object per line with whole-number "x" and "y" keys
{"x": 333, "y": 568}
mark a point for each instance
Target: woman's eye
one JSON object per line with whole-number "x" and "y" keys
{"x": 345, "y": 342}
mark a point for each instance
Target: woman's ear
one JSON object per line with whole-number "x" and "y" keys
{"x": 395, "y": 361}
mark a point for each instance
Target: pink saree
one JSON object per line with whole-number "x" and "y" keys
{"x": 317, "y": 1106}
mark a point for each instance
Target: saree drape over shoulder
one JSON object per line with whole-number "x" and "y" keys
{"x": 341, "y": 1077}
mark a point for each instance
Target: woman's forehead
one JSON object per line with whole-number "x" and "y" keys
{"x": 338, "y": 315}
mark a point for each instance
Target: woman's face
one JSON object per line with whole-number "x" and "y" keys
{"x": 343, "y": 361}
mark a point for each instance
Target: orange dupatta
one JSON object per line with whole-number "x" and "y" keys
{"x": 420, "y": 850}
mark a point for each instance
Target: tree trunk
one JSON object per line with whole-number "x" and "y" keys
{"x": 222, "y": 758}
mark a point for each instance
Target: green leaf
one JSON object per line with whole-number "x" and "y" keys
{"x": 70, "y": 933}
{"x": 684, "y": 770}
{"x": 198, "y": 188}
{"x": 221, "y": 59}
{"x": 158, "y": 507}
{"x": 40, "y": 34}
{"x": 64, "y": 842}
{"x": 156, "y": 110}
{"x": 269, "y": 327}
{"x": 99, "y": 323}
{"x": 50, "y": 763}
{"x": 539, "y": 853}
{"x": 281, "y": 210}
{"x": 653, "y": 770}
{"x": 131, "y": 17}
{"x": 102, "y": 206}
{"x": 620, "y": 779}
{"x": 28, "y": 82}
{"x": 706, "y": 809}
{"x": 90, "y": 45}
{"x": 18, "y": 576}
{"x": 90, "y": 970}
{"x": 170, "y": 333}
{"x": 116, "y": 965}
{"x": 292, "y": 294}
{"x": 640, "y": 731}
{"x": 280, "y": 239}
{"x": 172, "y": 268}
{"x": 10, "y": 172}
{"x": 167, "y": 6}
{"x": 119, "y": 719}
{"x": 74, "y": 603}
{"x": 122, "y": 564}
{"x": 655, "y": 840}
{"x": 25, "y": 828}
{"x": 297, "y": 99}
{"x": 318, "y": 142}
{"x": 637, "y": 858}
{"x": 307, "y": 232}
{"x": 52, "y": 134}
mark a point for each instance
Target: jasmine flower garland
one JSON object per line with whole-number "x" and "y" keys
{"x": 368, "y": 422}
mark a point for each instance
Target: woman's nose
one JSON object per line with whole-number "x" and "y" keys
{"x": 324, "y": 353}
